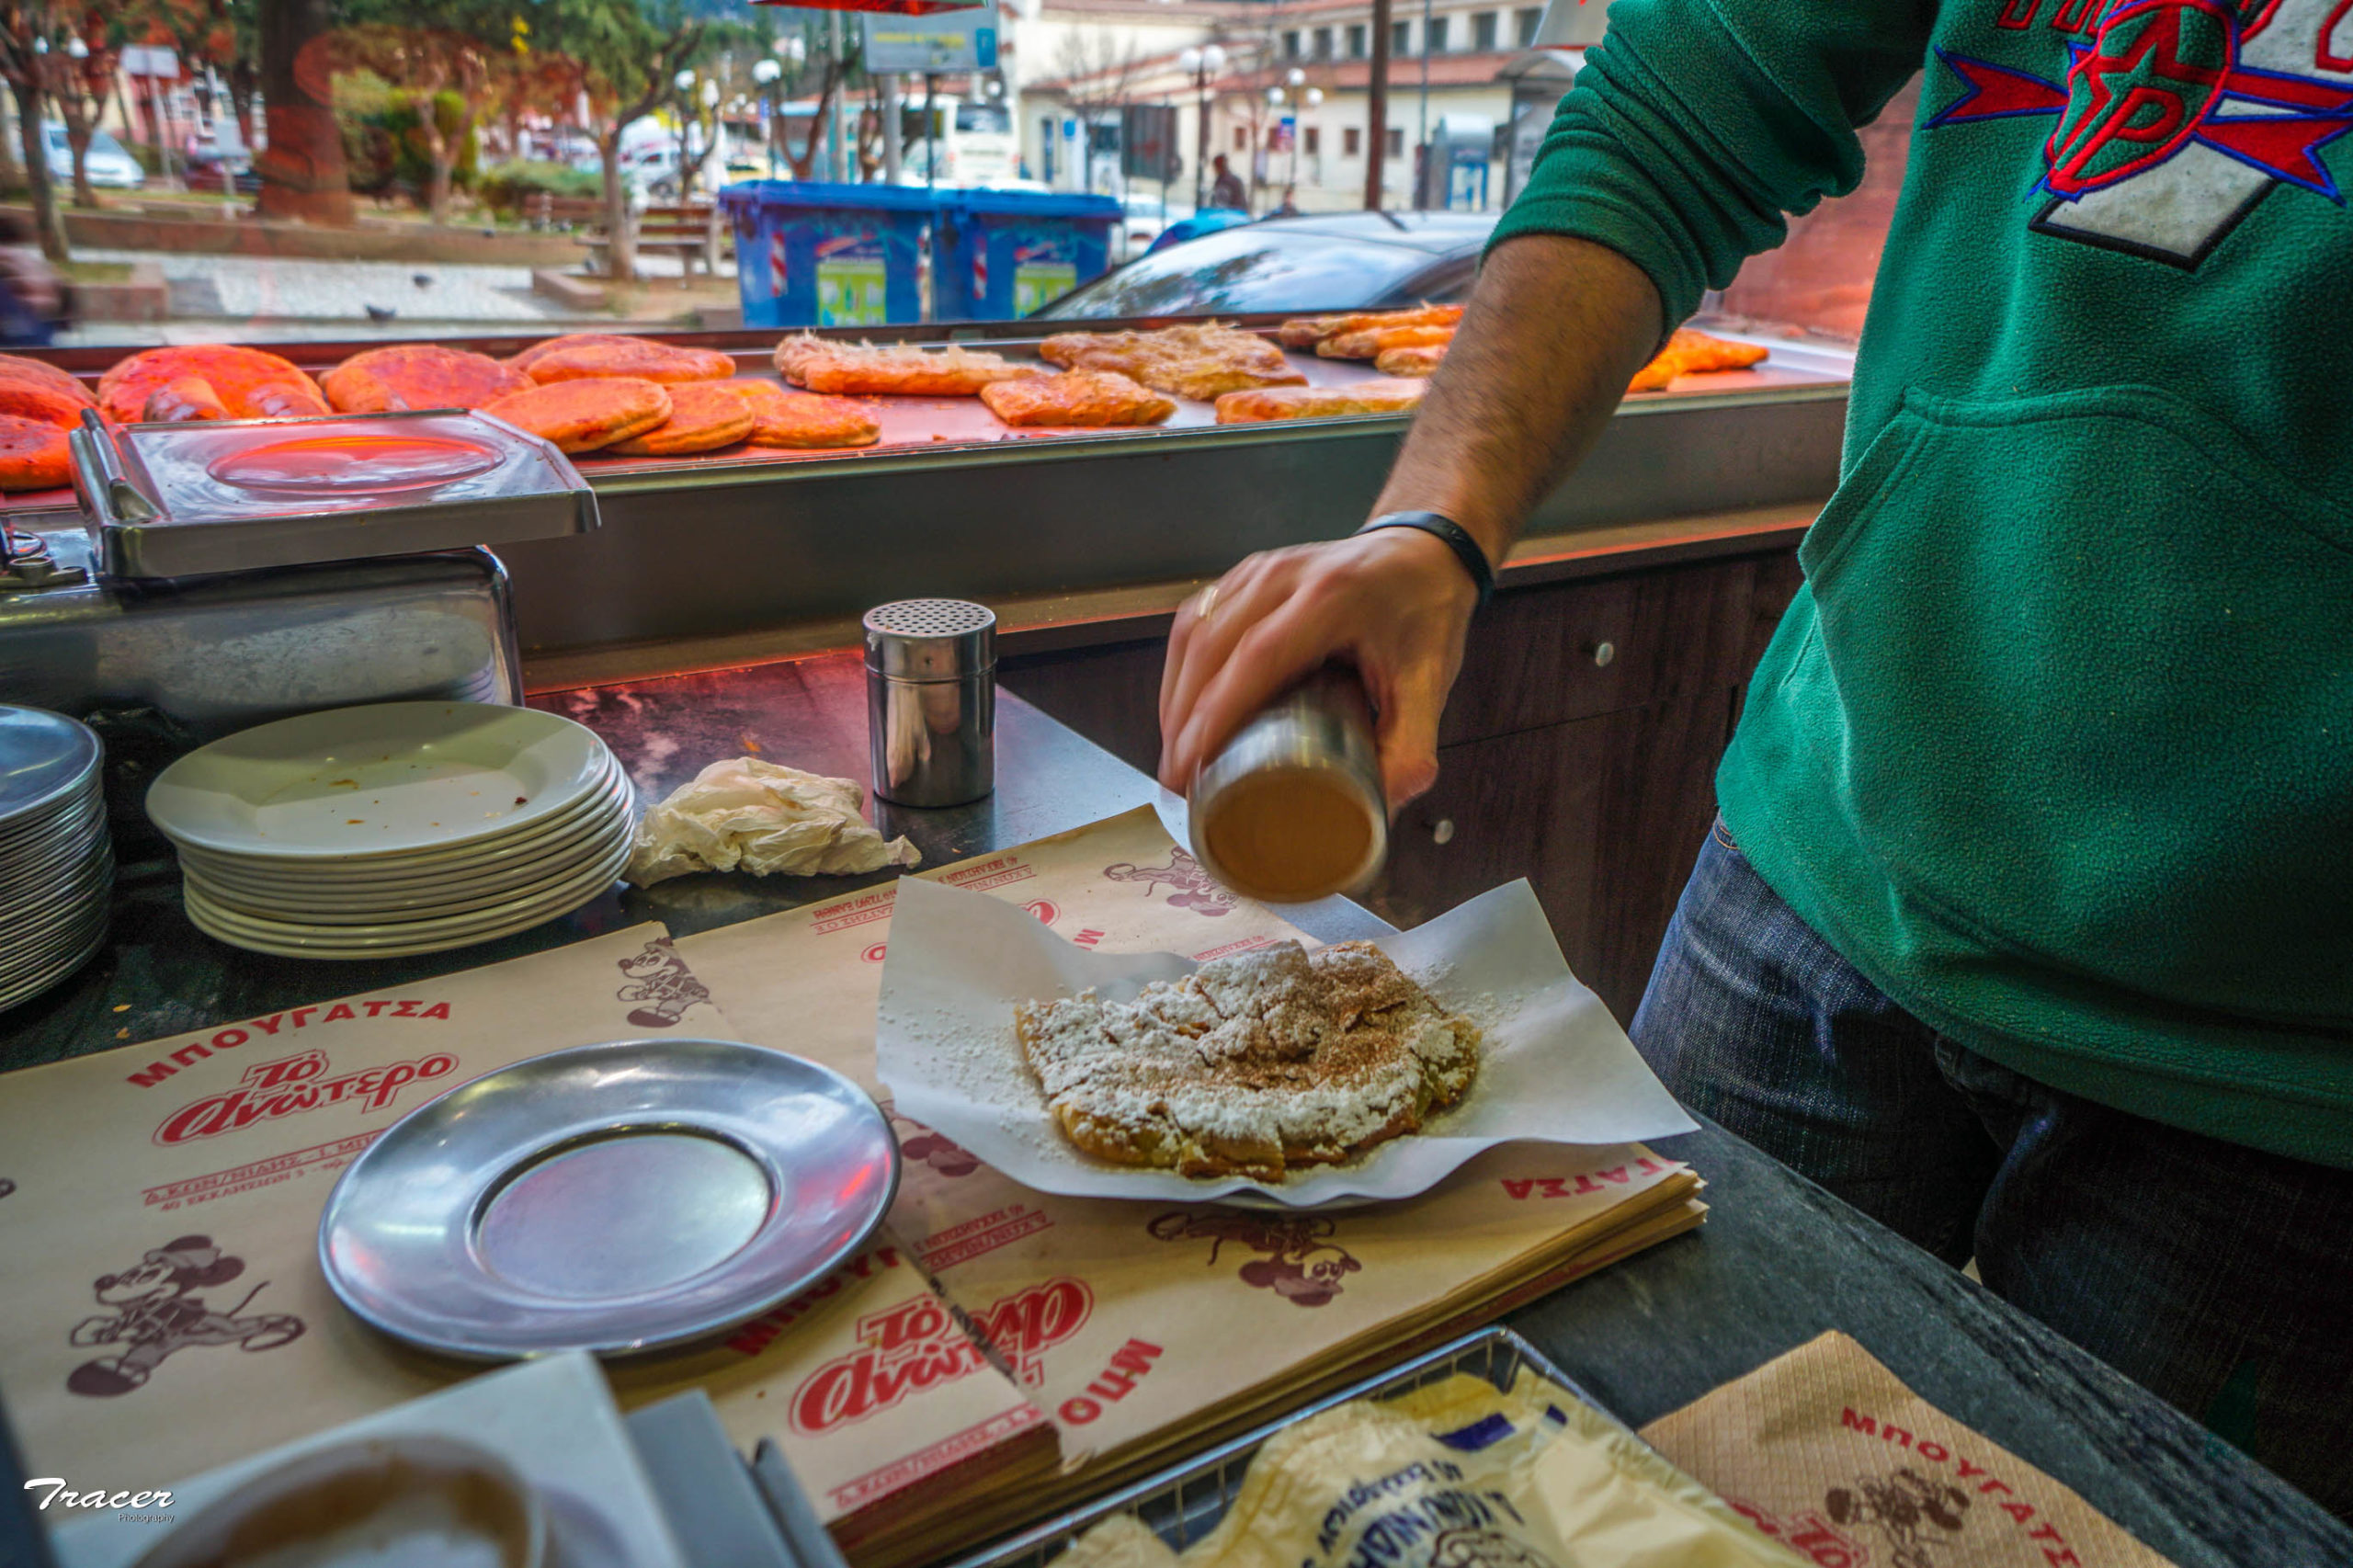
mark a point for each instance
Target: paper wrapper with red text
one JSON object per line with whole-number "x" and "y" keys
{"x": 1142, "y": 1326}
{"x": 161, "y": 1310}
{"x": 1826, "y": 1451}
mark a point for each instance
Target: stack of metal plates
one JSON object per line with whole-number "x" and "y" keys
{"x": 56, "y": 862}
{"x": 395, "y": 828}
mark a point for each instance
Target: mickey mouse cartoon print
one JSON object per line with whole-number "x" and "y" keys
{"x": 1298, "y": 1259}
{"x": 157, "y": 1312}
{"x": 660, "y": 982}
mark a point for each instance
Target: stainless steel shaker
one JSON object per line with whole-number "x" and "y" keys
{"x": 931, "y": 701}
{"x": 1292, "y": 808}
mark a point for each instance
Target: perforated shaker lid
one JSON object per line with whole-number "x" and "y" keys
{"x": 930, "y": 639}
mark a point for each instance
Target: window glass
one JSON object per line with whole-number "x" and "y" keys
{"x": 1400, "y": 37}
{"x": 1351, "y": 142}
{"x": 1434, "y": 35}
{"x": 1264, "y": 266}
{"x": 1525, "y": 21}
{"x": 1355, "y": 40}
{"x": 1482, "y": 30}
{"x": 1290, "y": 46}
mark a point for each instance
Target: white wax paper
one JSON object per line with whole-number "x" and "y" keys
{"x": 1555, "y": 1067}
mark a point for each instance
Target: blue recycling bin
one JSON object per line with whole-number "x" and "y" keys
{"x": 1000, "y": 255}
{"x": 811, "y": 253}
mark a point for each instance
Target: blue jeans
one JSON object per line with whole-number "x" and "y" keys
{"x": 2219, "y": 1276}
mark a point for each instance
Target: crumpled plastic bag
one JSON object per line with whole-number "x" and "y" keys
{"x": 743, "y": 815}
{"x": 1457, "y": 1474}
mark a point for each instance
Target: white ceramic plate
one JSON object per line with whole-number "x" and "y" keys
{"x": 424, "y": 869}
{"x": 436, "y": 903}
{"x": 386, "y": 778}
{"x": 400, "y": 941}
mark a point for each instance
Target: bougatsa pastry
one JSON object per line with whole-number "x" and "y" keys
{"x": 242, "y": 384}
{"x": 419, "y": 375}
{"x": 16, "y": 367}
{"x": 1253, "y": 1064}
{"x": 1417, "y": 361}
{"x": 29, "y": 399}
{"x": 1375, "y": 396}
{"x": 640, "y": 358}
{"x": 1369, "y": 343}
{"x": 581, "y": 416}
{"x": 1199, "y": 361}
{"x": 33, "y": 454}
{"x": 704, "y": 416}
{"x": 1690, "y": 352}
{"x": 903, "y": 370}
{"x": 1076, "y": 397}
{"x": 1306, "y": 332}
{"x": 803, "y": 419}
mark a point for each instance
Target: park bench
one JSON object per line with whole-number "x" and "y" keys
{"x": 689, "y": 232}
{"x": 543, "y": 211}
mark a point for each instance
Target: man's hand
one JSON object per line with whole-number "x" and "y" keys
{"x": 1395, "y": 604}
{"x": 1556, "y": 329}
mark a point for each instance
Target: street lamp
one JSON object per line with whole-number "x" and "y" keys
{"x": 1204, "y": 65}
{"x": 766, "y": 73}
{"x": 1294, "y": 95}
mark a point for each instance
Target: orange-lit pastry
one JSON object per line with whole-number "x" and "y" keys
{"x": 1077, "y": 397}
{"x": 39, "y": 372}
{"x": 419, "y": 375}
{"x": 1307, "y": 332}
{"x": 33, "y": 455}
{"x": 522, "y": 360}
{"x": 31, "y": 400}
{"x": 638, "y": 357}
{"x": 180, "y": 402}
{"x": 1689, "y": 352}
{"x": 903, "y": 370}
{"x": 786, "y": 418}
{"x": 1369, "y": 343}
{"x": 581, "y": 416}
{"x": 1416, "y": 361}
{"x": 245, "y": 382}
{"x": 704, "y": 416}
{"x": 1377, "y": 396}
{"x": 1198, "y": 361}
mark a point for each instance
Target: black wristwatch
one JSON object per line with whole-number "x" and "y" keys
{"x": 1457, "y": 537}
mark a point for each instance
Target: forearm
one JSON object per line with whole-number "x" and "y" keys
{"x": 1556, "y": 328}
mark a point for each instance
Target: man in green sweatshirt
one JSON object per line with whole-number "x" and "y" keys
{"x": 2028, "y": 923}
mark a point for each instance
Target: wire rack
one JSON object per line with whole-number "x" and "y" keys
{"x": 1184, "y": 1501}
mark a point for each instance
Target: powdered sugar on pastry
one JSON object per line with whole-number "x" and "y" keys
{"x": 1254, "y": 1064}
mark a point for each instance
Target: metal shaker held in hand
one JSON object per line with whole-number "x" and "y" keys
{"x": 1292, "y": 808}
{"x": 931, "y": 701}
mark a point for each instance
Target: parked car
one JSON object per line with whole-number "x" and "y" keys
{"x": 1336, "y": 261}
{"x": 210, "y": 166}
{"x": 106, "y": 162}
{"x": 1147, "y": 218}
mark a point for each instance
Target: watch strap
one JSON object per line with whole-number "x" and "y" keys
{"x": 1455, "y": 538}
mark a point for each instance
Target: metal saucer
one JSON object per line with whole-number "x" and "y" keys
{"x": 613, "y": 1199}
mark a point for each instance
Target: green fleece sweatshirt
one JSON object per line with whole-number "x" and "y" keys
{"x": 2056, "y": 743}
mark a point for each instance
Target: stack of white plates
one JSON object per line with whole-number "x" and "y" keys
{"x": 394, "y": 829}
{"x": 56, "y": 862}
